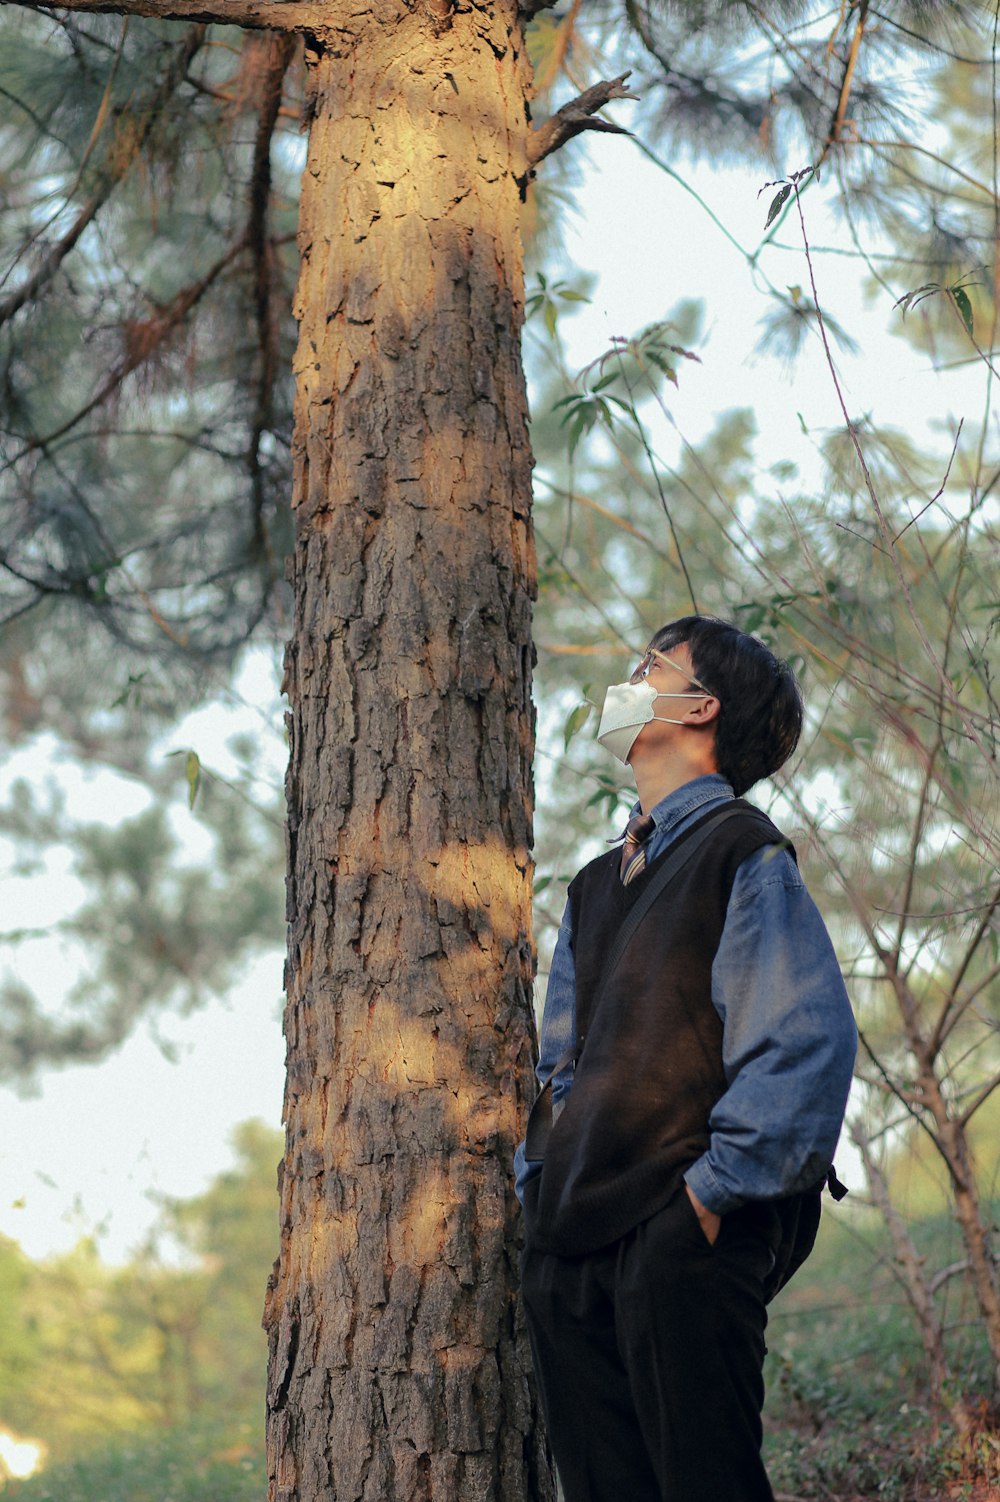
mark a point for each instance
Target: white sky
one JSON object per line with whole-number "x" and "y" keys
{"x": 89, "y": 1154}
{"x": 92, "y": 1151}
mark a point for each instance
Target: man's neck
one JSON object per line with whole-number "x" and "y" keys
{"x": 658, "y": 776}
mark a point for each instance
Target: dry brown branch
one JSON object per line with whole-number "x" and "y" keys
{"x": 546, "y": 75}
{"x": 156, "y": 330}
{"x": 917, "y": 835}
{"x": 616, "y": 521}
{"x": 255, "y": 15}
{"x": 979, "y": 1099}
{"x": 840, "y": 119}
{"x": 954, "y": 1009}
{"x": 578, "y": 116}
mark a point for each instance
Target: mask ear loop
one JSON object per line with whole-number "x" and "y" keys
{"x": 664, "y": 719}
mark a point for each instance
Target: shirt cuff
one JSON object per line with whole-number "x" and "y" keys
{"x": 524, "y": 1171}
{"x": 706, "y": 1186}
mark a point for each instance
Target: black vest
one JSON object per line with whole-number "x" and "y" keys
{"x": 651, "y": 1067}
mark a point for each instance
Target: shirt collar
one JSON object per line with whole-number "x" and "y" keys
{"x": 687, "y": 799}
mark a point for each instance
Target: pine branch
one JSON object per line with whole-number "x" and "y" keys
{"x": 577, "y": 116}
{"x": 254, "y": 15}
{"x": 125, "y": 148}
{"x": 784, "y": 48}
{"x": 40, "y": 125}
{"x": 746, "y": 110}
{"x": 929, "y": 42}
{"x": 158, "y": 330}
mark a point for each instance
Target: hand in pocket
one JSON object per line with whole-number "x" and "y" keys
{"x": 708, "y": 1220}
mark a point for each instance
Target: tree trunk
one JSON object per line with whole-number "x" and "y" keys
{"x": 952, "y": 1143}
{"x": 916, "y": 1285}
{"x": 399, "y": 1366}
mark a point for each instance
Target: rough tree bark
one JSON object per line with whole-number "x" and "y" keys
{"x": 399, "y": 1368}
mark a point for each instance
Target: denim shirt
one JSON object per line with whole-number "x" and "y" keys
{"x": 789, "y": 1038}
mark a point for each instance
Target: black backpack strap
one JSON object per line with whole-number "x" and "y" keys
{"x": 541, "y": 1118}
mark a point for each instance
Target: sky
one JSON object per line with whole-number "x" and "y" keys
{"x": 92, "y": 1152}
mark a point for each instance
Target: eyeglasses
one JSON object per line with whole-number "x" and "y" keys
{"x": 649, "y": 658}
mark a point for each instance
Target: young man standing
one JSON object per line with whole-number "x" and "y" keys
{"x": 678, "y": 1182}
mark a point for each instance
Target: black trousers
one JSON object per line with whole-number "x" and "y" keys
{"x": 649, "y": 1355}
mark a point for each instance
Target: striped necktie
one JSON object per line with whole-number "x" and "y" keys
{"x": 638, "y": 830}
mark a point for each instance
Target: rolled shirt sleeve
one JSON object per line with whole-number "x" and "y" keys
{"x": 789, "y": 1041}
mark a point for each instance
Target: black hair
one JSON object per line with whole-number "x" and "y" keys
{"x": 760, "y": 718}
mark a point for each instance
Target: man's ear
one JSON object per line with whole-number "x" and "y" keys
{"x": 704, "y": 712}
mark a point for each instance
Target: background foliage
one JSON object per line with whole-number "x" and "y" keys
{"x": 147, "y": 233}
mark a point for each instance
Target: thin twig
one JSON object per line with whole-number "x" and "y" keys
{"x": 941, "y": 488}
{"x": 641, "y": 430}
{"x": 881, "y": 518}
{"x": 168, "y": 320}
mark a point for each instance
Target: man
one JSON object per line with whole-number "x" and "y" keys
{"x": 679, "y": 1181}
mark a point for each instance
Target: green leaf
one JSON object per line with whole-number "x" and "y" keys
{"x": 777, "y": 203}
{"x": 753, "y": 615}
{"x": 783, "y": 469}
{"x": 551, "y": 314}
{"x": 956, "y": 775}
{"x": 192, "y": 771}
{"x": 570, "y": 296}
{"x": 577, "y": 429}
{"x": 575, "y": 722}
{"x": 964, "y": 307}
{"x": 131, "y": 693}
{"x": 541, "y": 884}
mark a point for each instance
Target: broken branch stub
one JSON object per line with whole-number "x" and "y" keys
{"x": 578, "y": 115}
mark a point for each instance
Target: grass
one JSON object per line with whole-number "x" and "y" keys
{"x": 848, "y": 1415}
{"x": 178, "y": 1465}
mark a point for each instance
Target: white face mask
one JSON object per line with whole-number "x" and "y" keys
{"x": 627, "y": 707}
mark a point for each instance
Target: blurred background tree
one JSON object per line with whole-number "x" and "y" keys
{"x": 165, "y": 1352}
